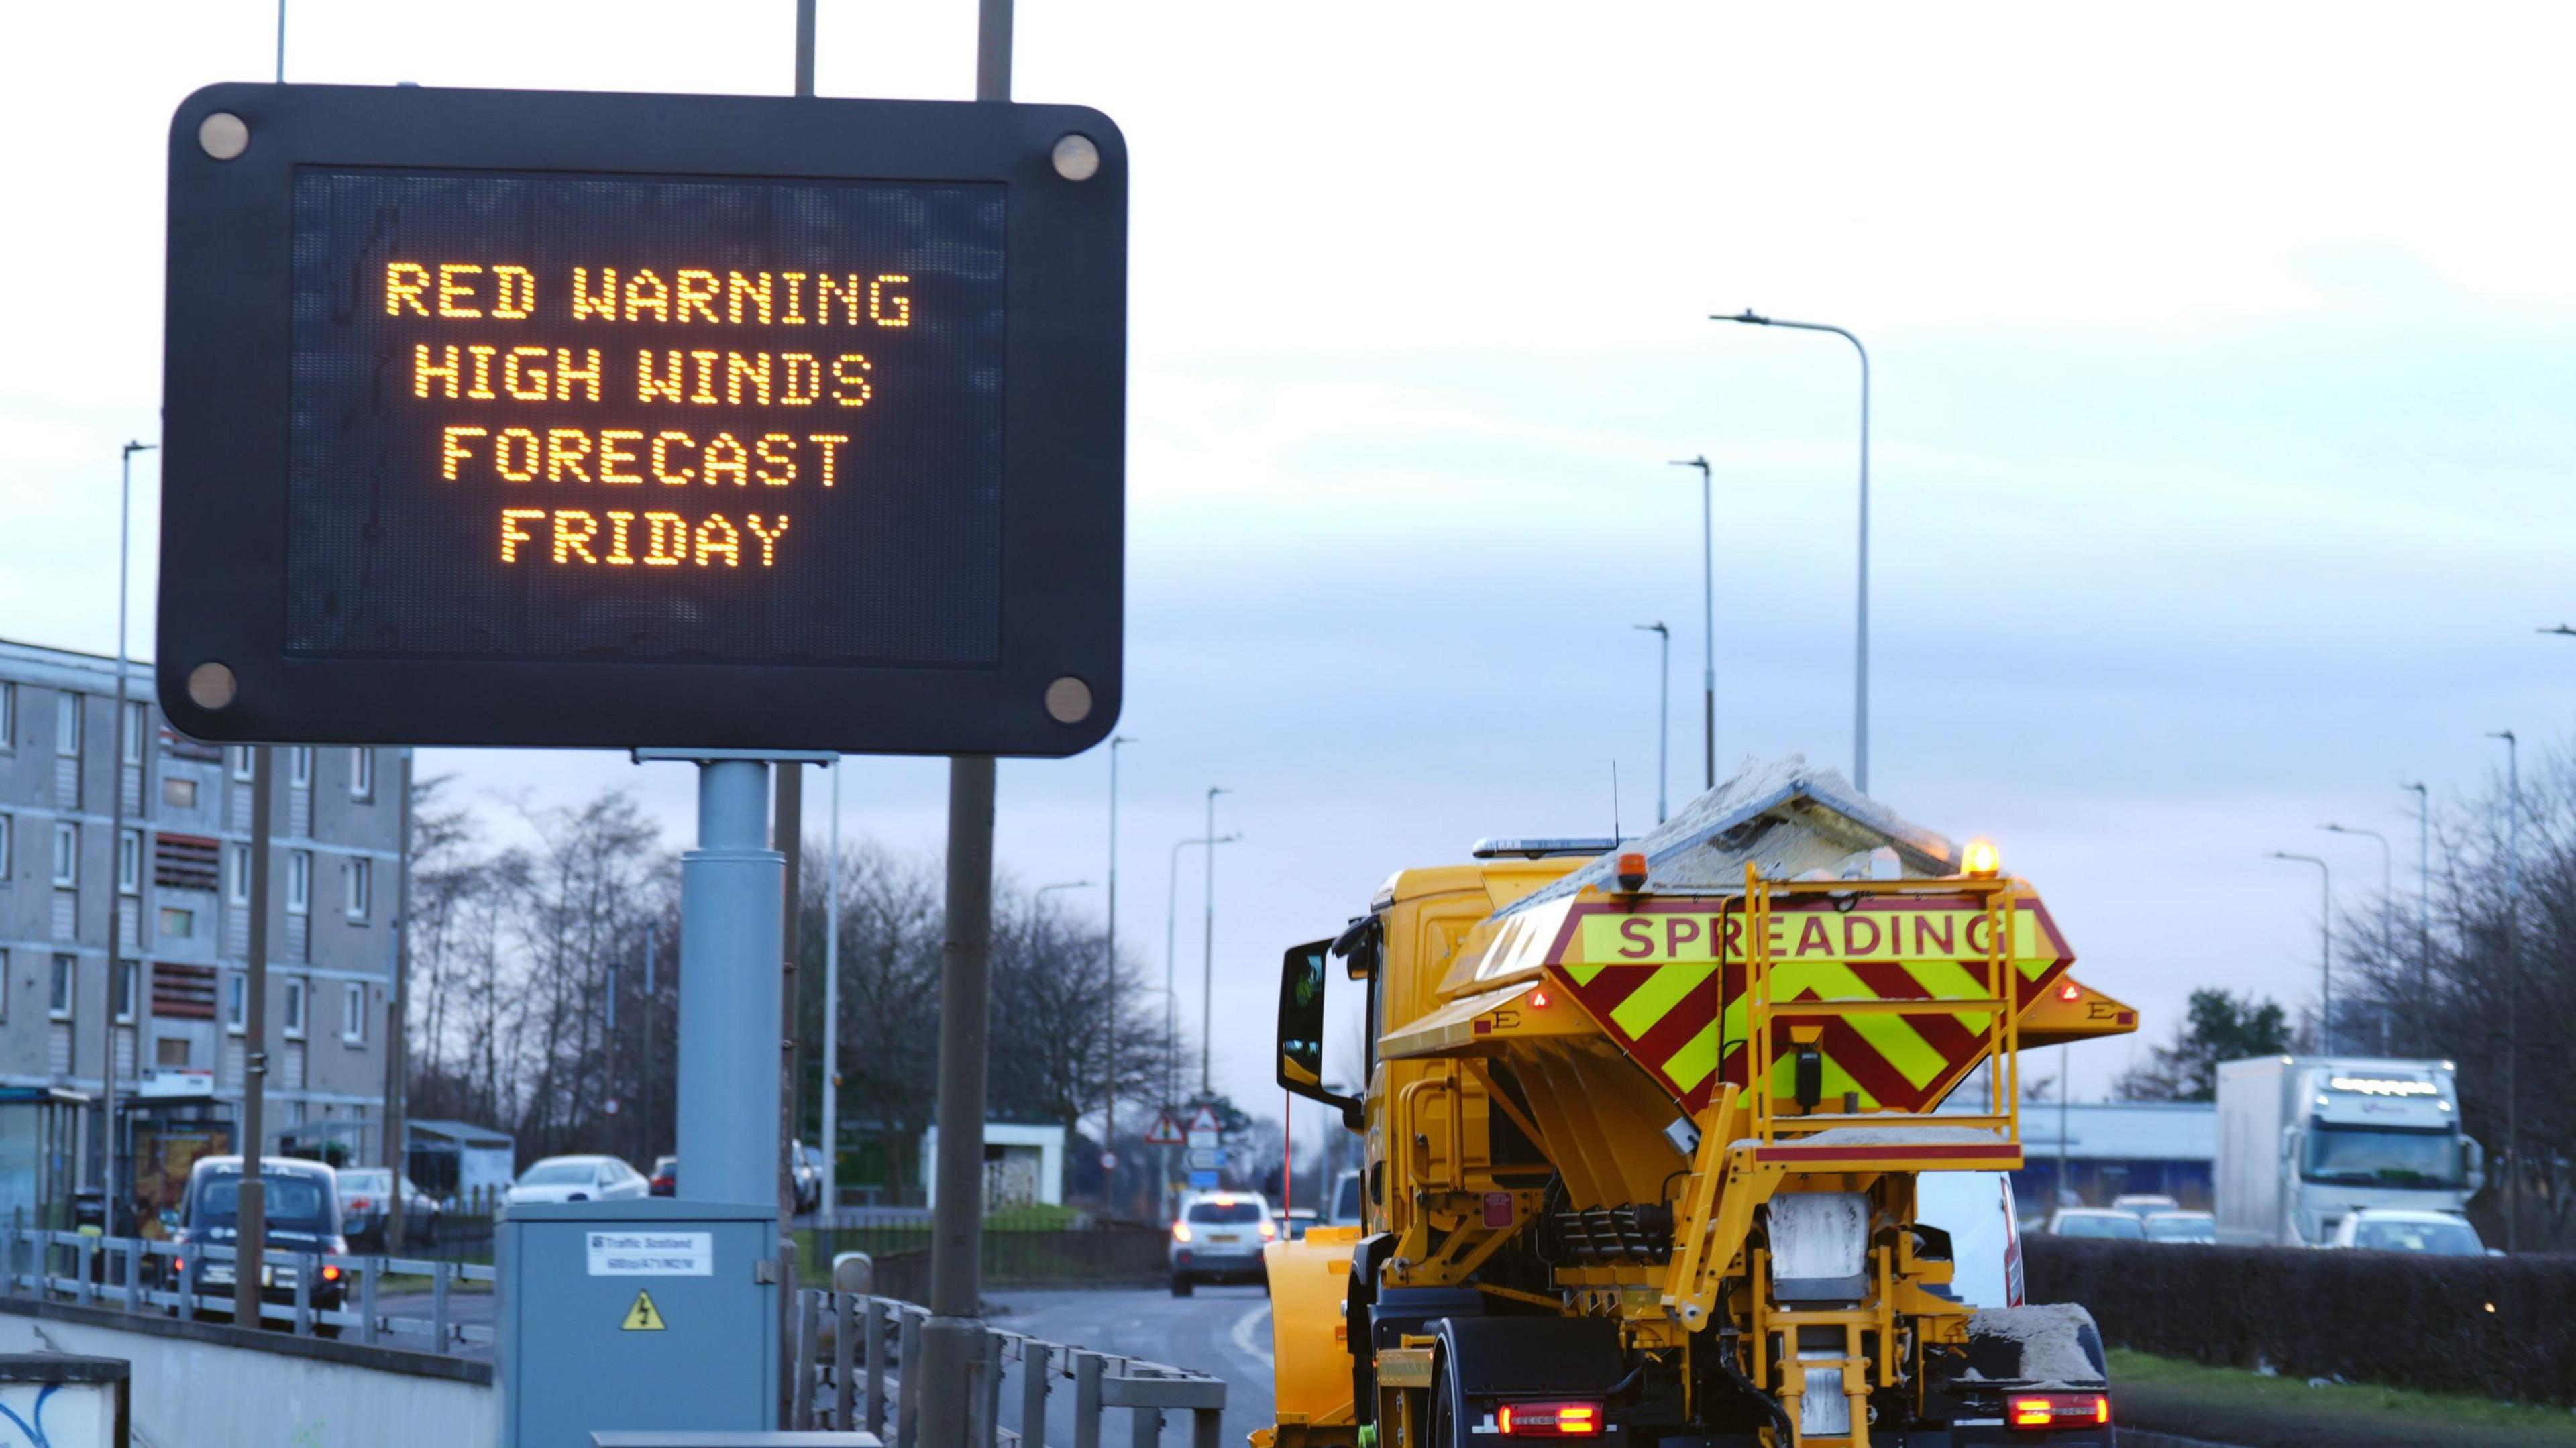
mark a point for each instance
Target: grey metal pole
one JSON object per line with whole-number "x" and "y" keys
{"x": 2423, "y": 891}
{"x": 788, "y": 833}
{"x": 250, "y": 1239}
{"x": 2387, "y": 867}
{"x": 2325, "y": 948}
{"x": 1707, "y": 620}
{"x": 2065, "y": 1087}
{"x": 1207, "y": 961}
{"x": 1860, "y": 646}
{"x": 2513, "y": 990}
{"x": 950, "y": 1338}
{"x": 116, "y": 866}
{"x": 729, "y": 953}
{"x": 805, "y": 47}
{"x": 1109, "y": 991}
{"x": 1664, "y": 711}
{"x": 832, "y": 1007}
{"x": 398, "y": 1028}
{"x": 281, "y": 42}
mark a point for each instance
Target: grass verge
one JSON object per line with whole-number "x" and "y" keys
{"x": 2225, "y": 1405}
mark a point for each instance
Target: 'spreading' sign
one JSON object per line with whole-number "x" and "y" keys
{"x": 521, "y": 418}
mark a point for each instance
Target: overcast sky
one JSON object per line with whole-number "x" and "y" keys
{"x": 2223, "y": 363}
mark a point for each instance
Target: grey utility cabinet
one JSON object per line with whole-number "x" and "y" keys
{"x": 650, "y": 1315}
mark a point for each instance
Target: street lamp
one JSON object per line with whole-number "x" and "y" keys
{"x": 1860, "y": 666}
{"x": 2325, "y": 947}
{"x": 1207, "y": 961}
{"x": 2562, "y": 630}
{"x": 1109, "y": 976}
{"x": 1171, "y": 937}
{"x": 2513, "y": 988}
{"x": 2423, "y": 888}
{"x": 116, "y": 865}
{"x": 2387, "y": 894}
{"x": 1707, "y": 618}
{"x": 1664, "y": 714}
{"x": 1040, "y": 892}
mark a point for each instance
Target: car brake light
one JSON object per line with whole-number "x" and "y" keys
{"x": 2054, "y": 1410}
{"x": 330, "y": 1274}
{"x": 1180, "y": 1231}
{"x": 1549, "y": 1420}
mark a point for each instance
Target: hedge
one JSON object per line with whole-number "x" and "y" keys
{"x": 2503, "y": 1327}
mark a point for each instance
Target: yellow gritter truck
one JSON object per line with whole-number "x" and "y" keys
{"x": 1645, "y": 1125}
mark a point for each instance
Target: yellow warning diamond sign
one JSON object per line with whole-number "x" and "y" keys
{"x": 643, "y": 1316}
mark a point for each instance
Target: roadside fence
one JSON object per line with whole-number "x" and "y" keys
{"x": 851, "y": 1347}
{"x": 310, "y": 1294}
{"x": 1105, "y": 1255}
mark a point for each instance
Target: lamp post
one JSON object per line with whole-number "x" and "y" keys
{"x": 831, "y": 1197}
{"x": 1171, "y": 947}
{"x": 2513, "y": 989}
{"x": 1664, "y": 713}
{"x": 2325, "y": 946}
{"x": 116, "y": 863}
{"x": 2387, "y": 893}
{"x": 1707, "y": 619}
{"x": 1860, "y": 663}
{"x": 2423, "y": 889}
{"x": 1109, "y": 977}
{"x": 1207, "y": 961}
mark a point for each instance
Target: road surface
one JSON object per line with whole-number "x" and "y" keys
{"x": 1220, "y": 1330}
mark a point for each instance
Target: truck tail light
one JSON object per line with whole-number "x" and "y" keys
{"x": 1549, "y": 1420}
{"x": 2042, "y": 1411}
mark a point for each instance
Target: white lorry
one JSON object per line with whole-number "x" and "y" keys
{"x": 2305, "y": 1140}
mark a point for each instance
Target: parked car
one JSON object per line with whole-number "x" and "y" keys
{"x": 806, "y": 1165}
{"x": 300, "y": 1204}
{"x": 2408, "y": 1229}
{"x": 666, "y": 1176}
{"x": 2144, "y": 1204}
{"x": 2098, "y": 1222}
{"x": 579, "y": 1179}
{"x": 2201, "y": 1227}
{"x": 366, "y": 1202}
{"x": 1219, "y": 1238}
{"x": 1348, "y": 1209}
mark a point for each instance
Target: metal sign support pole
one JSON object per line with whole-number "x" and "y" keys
{"x": 729, "y": 954}
{"x": 950, "y": 1339}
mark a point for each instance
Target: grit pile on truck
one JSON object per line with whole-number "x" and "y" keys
{"x": 1645, "y": 1126}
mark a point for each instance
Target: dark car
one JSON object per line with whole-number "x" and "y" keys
{"x": 300, "y": 1203}
{"x": 666, "y": 1176}
{"x": 366, "y": 1207}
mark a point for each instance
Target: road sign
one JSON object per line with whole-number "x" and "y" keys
{"x": 1206, "y": 1158}
{"x": 520, "y": 418}
{"x": 1205, "y": 1120}
{"x": 1164, "y": 1132}
{"x": 1202, "y": 1181}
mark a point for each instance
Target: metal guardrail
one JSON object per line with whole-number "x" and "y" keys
{"x": 160, "y": 1277}
{"x": 846, "y": 1380}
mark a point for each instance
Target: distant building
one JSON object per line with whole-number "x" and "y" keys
{"x": 180, "y": 877}
{"x": 1023, "y": 1165}
{"x": 2114, "y": 1147}
{"x": 454, "y": 1160}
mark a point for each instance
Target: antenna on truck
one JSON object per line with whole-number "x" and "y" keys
{"x": 1616, "y": 838}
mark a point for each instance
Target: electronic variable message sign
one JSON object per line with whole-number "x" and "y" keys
{"x": 540, "y": 419}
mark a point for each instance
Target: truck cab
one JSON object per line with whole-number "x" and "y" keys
{"x": 2305, "y": 1141}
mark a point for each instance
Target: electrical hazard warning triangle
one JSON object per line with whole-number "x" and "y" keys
{"x": 643, "y": 1316}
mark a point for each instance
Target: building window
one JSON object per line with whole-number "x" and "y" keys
{"x": 299, "y": 766}
{"x": 362, "y": 774}
{"x": 133, "y": 745}
{"x": 8, "y": 833}
{"x": 178, "y": 793}
{"x": 299, "y": 882}
{"x": 237, "y": 874}
{"x": 237, "y": 758}
{"x": 129, "y": 975}
{"x": 362, "y": 883}
{"x": 177, "y": 923}
{"x": 170, "y": 1052}
{"x": 353, "y": 1013}
{"x": 8, "y": 716}
{"x": 129, "y": 862}
{"x": 67, "y": 725}
{"x": 4, "y": 985}
{"x": 295, "y": 1010}
{"x": 236, "y": 1002}
{"x": 66, "y": 853}
{"x": 58, "y": 1000}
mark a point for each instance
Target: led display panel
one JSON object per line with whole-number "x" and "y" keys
{"x": 518, "y": 418}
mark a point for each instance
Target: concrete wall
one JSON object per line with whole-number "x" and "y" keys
{"x": 192, "y": 1387}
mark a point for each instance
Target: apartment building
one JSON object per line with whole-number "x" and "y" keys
{"x": 179, "y": 877}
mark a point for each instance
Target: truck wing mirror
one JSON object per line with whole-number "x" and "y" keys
{"x": 1301, "y": 1026}
{"x": 2473, "y": 1164}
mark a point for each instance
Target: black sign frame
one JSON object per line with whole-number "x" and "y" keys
{"x": 1055, "y": 690}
